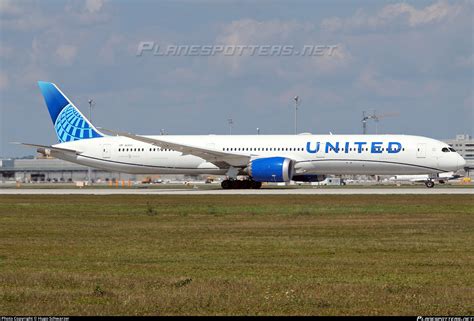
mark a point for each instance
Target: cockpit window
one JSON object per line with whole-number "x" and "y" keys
{"x": 452, "y": 149}
{"x": 445, "y": 150}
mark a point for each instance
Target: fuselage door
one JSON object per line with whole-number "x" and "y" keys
{"x": 421, "y": 150}
{"x": 105, "y": 150}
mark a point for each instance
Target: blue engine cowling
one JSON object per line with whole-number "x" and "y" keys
{"x": 271, "y": 169}
{"x": 309, "y": 178}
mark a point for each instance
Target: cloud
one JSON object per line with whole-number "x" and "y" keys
{"x": 4, "y": 81}
{"x": 373, "y": 82}
{"x": 250, "y": 31}
{"x": 9, "y": 7}
{"x": 297, "y": 35}
{"x": 94, "y": 6}
{"x": 469, "y": 103}
{"x": 339, "y": 59}
{"x": 465, "y": 62}
{"x": 6, "y": 51}
{"x": 394, "y": 15}
{"x": 247, "y": 32}
{"x": 111, "y": 47}
{"x": 22, "y": 16}
{"x": 25, "y": 19}
{"x": 66, "y": 53}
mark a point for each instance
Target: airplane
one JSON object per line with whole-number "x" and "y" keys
{"x": 257, "y": 158}
{"x": 441, "y": 178}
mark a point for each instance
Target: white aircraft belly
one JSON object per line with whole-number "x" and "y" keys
{"x": 356, "y": 166}
{"x": 134, "y": 164}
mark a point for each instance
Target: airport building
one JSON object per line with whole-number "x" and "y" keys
{"x": 52, "y": 170}
{"x": 47, "y": 169}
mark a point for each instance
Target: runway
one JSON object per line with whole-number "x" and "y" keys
{"x": 270, "y": 191}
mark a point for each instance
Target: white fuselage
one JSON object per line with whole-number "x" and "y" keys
{"x": 314, "y": 154}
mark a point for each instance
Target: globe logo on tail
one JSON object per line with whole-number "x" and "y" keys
{"x": 70, "y": 126}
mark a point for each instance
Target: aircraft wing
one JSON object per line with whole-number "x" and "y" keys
{"x": 45, "y": 149}
{"x": 218, "y": 158}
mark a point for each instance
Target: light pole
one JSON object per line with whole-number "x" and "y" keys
{"x": 258, "y": 131}
{"x": 89, "y": 170}
{"x": 297, "y": 102}
{"x": 230, "y": 121}
{"x": 91, "y": 104}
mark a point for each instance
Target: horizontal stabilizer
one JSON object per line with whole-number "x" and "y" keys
{"x": 45, "y": 149}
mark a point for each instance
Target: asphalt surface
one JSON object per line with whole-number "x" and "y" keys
{"x": 270, "y": 191}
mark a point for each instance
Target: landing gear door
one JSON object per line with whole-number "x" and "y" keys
{"x": 106, "y": 150}
{"x": 421, "y": 151}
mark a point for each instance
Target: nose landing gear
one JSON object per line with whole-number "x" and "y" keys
{"x": 240, "y": 184}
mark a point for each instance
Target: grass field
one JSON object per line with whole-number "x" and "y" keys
{"x": 244, "y": 255}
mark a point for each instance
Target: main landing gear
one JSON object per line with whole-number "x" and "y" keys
{"x": 240, "y": 184}
{"x": 429, "y": 184}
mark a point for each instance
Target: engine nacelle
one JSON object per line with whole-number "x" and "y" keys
{"x": 271, "y": 169}
{"x": 309, "y": 178}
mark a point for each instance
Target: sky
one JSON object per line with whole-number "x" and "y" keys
{"x": 411, "y": 61}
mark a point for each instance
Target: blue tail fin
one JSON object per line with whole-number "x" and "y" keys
{"x": 69, "y": 123}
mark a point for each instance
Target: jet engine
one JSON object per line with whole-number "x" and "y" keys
{"x": 271, "y": 169}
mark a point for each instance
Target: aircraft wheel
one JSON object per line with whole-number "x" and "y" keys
{"x": 226, "y": 184}
{"x": 256, "y": 185}
{"x": 239, "y": 184}
{"x": 247, "y": 184}
{"x": 429, "y": 184}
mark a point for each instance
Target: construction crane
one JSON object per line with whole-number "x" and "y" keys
{"x": 375, "y": 118}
